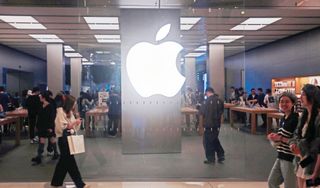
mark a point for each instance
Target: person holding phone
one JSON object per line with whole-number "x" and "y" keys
{"x": 66, "y": 124}
{"x": 283, "y": 168}
{"x": 305, "y": 144}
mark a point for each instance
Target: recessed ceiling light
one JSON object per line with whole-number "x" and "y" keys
{"x": 104, "y": 26}
{"x": 201, "y": 48}
{"x": 72, "y": 55}
{"x": 187, "y": 23}
{"x": 22, "y": 22}
{"x": 108, "y": 23}
{"x": 108, "y": 38}
{"x": 28, "y": 25}
{"x": 185, "y": 27}
{"x": 101, "y": 20}
{"x": 68, "y": 48}
{"x": 46, "y": 38}
{"x": 87, "y": 63}
{"x": 225, "y": 38}
{"x": 194, "y": 54}
{"x": 247, "y": 27}
{"x": 257, "y": 21}
{"x": 18, "y": 19}
{"x": 102, "y": 52}
{"x": 189, "y": 20}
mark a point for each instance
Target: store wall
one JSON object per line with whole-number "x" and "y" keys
{"x": 16, "y": 60}
{"x": 19, "y": 81}
{"x": 294, "y": 56}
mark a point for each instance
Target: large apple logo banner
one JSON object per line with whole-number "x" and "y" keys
{"x": 150, "y": 81}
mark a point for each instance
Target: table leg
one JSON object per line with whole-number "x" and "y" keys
{"x": 269, "y": 124}
{"x": 87, "y": 125}
{"x": 230, "y": 117}
{"x": 253, "y": 123}
{"x": 18, "y": 130}
{"x": 188, "y": 120}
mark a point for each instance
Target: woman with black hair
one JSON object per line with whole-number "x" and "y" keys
{"x": 45, "y": 127}
{"x": 66, "y": 124}
{"x": 305, "y": 146}
{"x": 283, "y": 168}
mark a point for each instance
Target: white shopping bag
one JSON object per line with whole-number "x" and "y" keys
{"x": 76, "y": 144}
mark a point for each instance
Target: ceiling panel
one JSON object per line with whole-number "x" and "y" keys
{"x": 218, "y": 17}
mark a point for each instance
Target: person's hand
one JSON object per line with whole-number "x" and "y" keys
{"x": 295, "y": 150}
{"x": 78, "y": 121}
{"x": 314, "y": 176}
{"x": 274, "y": 137}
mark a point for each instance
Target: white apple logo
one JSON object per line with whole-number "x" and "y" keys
{"x": 152, "y": 68}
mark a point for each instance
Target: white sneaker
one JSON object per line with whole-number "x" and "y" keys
{"x": 50, "y": 153}
{"x": 31, "y": 141}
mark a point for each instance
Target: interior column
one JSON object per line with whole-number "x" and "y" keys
{"x": 215, "y": 69}
{"x": 190, "y": 72}
{"x": 55, "y": 67}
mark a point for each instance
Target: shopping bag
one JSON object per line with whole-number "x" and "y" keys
{"x": 76, "y": 144}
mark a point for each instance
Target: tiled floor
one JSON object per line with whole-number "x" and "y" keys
{"x": 249, "y": 158}
{"x": 146, "y": 185}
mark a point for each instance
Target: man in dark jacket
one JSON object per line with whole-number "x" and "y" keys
{"x": 210, "y": 120}
{"x": 33, "y": 105}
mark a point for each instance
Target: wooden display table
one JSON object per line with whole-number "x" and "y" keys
{"x": 19, "y": 112}
{"x": 270, "y": 116}
{"x": 253, "y": 112}
{"x": 96, "y": 112}
{"x": 12, "y": 119}
{"x": 228, "y": 105}
{"x": 188, "y": 111}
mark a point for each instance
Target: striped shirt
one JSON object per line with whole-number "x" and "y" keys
{"x": 287, "y": 127}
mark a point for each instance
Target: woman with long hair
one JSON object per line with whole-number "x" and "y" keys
{"x": 66, "y": 124}
{"x": 307, "y": 133}
{"x": 45, "y": 127}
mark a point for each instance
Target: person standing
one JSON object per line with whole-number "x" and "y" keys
{"x": 210, "y": 120}
{"x": 283, "y": 168}
{"x": 305, "y": 143}
{"x": 45, "y": 127}
{"x": 261, "y": 103}
{"x": 33, "y": 105}
{"x": 66, "y": 124}
{"x": 114, "y": 113}
{"x": 252, "y": 98}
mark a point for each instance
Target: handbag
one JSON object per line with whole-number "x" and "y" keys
{"x": 76, "y": 144}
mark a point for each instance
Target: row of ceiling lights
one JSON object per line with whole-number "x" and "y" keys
{"x": 251, "y": 24}
{"x": 94, "y": 23}
{"x": 112, "y": 23}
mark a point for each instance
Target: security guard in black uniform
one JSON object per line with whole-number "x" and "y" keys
{"x": 210, "y": 120}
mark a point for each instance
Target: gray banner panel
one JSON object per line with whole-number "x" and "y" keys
{"x": 149, "y": 124}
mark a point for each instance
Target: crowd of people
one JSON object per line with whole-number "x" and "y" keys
{"x": 53, "y": 118}
{"x": 297, "y": 141}
{"x": 255, "y": 99}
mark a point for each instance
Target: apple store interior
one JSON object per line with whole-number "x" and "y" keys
{"x": 152, "y": 82}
